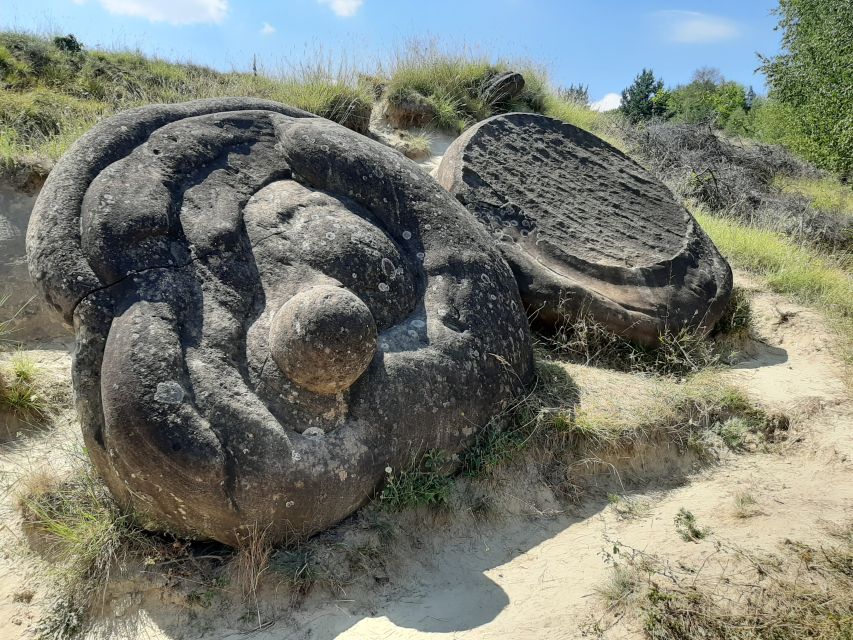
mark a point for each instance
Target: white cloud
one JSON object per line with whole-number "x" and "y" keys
{"x": 343, "y": 8}
{"x": 267, "y": 29}
{"x": 609, "y": 102}
{"x": 693, "y": 27}
{"x": 172, "y": 11}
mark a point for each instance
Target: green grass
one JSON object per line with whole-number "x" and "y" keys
{"x": 20, "y": 392}
{"x": 51, "y": 97}
{"x": 688, "y": 527}
{"x": 452, "y": 84}
{"x": 788, "y": 268}
{"x": 424, "y": 483}
{"x": 85, "y": 534}
{"x": 825, "y": 193}
{"x": 577, "y": 412}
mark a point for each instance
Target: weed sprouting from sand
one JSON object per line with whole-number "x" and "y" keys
{"x": 424, "y": 483}
{"x": 620, "y": 587}
{"x": 629, "y": 507}
{"x": 250, "y": 563}
{"x": 688, "y": 527}
{"x": 20, "y": 391}
{"x": 746, "y": 506}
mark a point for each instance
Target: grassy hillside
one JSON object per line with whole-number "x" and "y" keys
{"x": 51, "y": 93}
{"x": 53, "y": 89}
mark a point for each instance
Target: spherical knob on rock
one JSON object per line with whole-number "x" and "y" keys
{"x": 323, "y": 339}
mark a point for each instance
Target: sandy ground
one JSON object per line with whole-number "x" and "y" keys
{"x": 536, "y": 577}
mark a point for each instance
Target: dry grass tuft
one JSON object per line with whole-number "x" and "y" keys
{"x": 250, "y": 563}
{"x": 804, "y": 591}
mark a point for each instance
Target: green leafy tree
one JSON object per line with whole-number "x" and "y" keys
{"x": 639, "y": 100}
{"x": 728, "y": 98}
{"x": 709, "y": 97}
{"x": 813, "y": 78}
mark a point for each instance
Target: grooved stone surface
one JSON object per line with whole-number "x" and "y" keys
{"x": 584, "y": 227}
{"x": 269, "y": 311}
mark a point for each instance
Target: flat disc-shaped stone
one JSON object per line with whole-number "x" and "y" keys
{"x": 585, "y": 228}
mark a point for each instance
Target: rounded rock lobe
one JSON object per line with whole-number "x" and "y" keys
{"x": 269, "y": 310}
{"x": 323, "y": 339}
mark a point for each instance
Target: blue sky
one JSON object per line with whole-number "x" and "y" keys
{"x": 601, "y": 43}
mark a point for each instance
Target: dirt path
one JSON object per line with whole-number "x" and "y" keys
{"x": 537, "y": 577}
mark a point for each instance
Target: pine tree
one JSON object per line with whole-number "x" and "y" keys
{"x": 638, "y": 100}
{"x": 749, "y": 99}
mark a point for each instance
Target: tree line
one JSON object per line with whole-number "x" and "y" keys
{"x": 809, "y": 107}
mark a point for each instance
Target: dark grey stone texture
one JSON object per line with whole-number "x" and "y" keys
{"x": 193, "y": 245}
{"x": 586, "y": 229}
{"x": 502, "y": 88}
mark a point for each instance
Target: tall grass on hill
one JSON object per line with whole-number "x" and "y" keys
{"x": 452, "y": 82}
{"x": 789, "y": 268}
{"x": 50, "y": 96}
{"x": 826, "y": 193}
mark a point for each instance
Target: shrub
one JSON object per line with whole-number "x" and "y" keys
{"x": 738, "y": 179}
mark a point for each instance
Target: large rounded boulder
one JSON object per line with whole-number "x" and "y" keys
{"x": 586, "y": 229}
{"x": 270, "y": 310}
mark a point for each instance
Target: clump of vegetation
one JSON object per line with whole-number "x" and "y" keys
{"x": 415, "y": 146}
{"x": 580, "y": 338}
{"x": 620, "y": 588}
{"x": 86, "y": 534}
{"x": 688, "y": 527}
{"x": 628, "y": 507}
{"x": 453, "y": 85}
{"x": 737, "y": 321}
{"x": 425, "y": 482}
{"x": 20, "y": 392}
{"x": 546, "y": 410}
{"x": 746, "y": 506}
